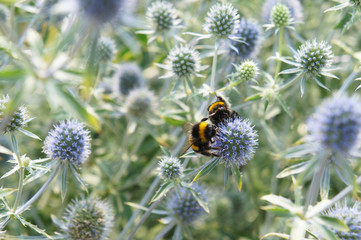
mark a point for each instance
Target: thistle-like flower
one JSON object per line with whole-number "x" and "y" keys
{"x": 237, "y": 140}
{"x": 351, "y": 216}
{"x": 183, "y": 61}
{"x": 140, "y": 103}
{"x": 280, "y": 15}
{"x": 128, "y": 77}
{"x": 88, "y": 219}
{"x": 250, "y": 33}
{"x": 165, "y": 21}
{"x": 99, "y": 11}
{"x": 170, "y": 168}
{"x": 247, "y": 71}
{"x": 336, "y": 124}
{"x": 184, "y": 207}
{"x": 221, "y": 20}
{"x": 106, "y": 49}
{"x": 68, "y": 142}
{"x": 14, "y": 122}
{"x": 294, "y": 6}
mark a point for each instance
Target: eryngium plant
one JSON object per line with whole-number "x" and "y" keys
{"x": 128, "y": 77}
{"x": 221, "y": 20}
{"x": 106, "y": 49}
{"x": 184, "y": 207}
{"x": 351, "y": 216}
{"x": 336, "y": 124}
{"x": 294, "y": 6}
{"x": 280, "y": 15}
{"x": 88, "y": 219}
{"x": 250, "y": 33}
{"x": 163, "y": 16}
{"x": 170, "y": 168}
{"x": 69, "y": 142}
{"x": 100, "y": 11}
{"x": 237, "y": 140}
{"x": 15, "y": 121}
{"x": 247, "y": 71}
{"x": 140, "y": 103}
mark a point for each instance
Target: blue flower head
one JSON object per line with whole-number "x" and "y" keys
{"x": 68, "y": 141}
{"x": 351, "y": 216}
{"x": 128, "y": 77}
{"x": 294, "y": 6}
{"x": 100, "y": 11}
{"x": 106, "y": 49}
{"x": 170, "y": 168}
{"x": 163, "y": 15}
{"x": 88, "y": 219}
{"x": 140, "y": 103}
{"x": 237, "y": 140}
{"x": 250, "y": 33}
{"x": 185, "y": 207}
{"x": 16, "y": 120}
{"x": 336, "y": 124}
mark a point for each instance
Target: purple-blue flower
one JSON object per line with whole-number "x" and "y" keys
{"x": 185, "y": 207}
{"x": 237, "y": 140}
{"x": 100, "y": 11}
{"x": 68, "y": 141}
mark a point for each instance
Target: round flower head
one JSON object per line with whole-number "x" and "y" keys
{"x": 139, "y": 103}
{"x": 16, "y": 120}
{"x": 280, "y": 15}
{"x": 163, "y": 16}
{"x": 68, "y": 141}
{"x": 250, "y": 33}
{"x": 221, "y": 20}
{"x": 106, "y": 49}
{"x": 237, "y": 141}
{"x": 336, "y": 124}
{"x": 247, "y": 71}
{"x": 184, "y": 61}
{"x": 351, "y": 216}
{"x": 185, "y": 207}
{"x": 170, "y": 168}
{"x": 128, "y": 77}
{"x": 313, "y": 57}
{"x": 88, "y": 219}
{"x": 4, "y": 13}
{"x": 294, "y": 6}
{"x": 100, "y": 11}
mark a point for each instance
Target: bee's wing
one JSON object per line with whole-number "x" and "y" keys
{"x": 187, "y": 128}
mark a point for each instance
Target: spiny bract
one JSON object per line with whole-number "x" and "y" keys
{"x": 247, "y": 71}
{"x": 280, "y": 15}
{"x": 68, "y": 141}
{"x": 184, "y": 61}
{"x": 163, "y": 15}
{"x": 237, "y": 140}
{"x": 170, "y": 168}
{"x": 88, "y": 219}
{"x": 16, "y": 120}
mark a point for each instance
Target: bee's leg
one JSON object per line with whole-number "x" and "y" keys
{"x": 204, "y": 119}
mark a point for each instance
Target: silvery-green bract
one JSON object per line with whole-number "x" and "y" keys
{"x": 336, "y": 124}
{"x": 88, "y": 219}
{"x": 170, "y": 168}
{"x": 163, "y": 15}
{"x": 237, "y": 140}
{"x": 185, "y": 207}
{"x": 69, "y": 141}
{"x": 221, "y": 20}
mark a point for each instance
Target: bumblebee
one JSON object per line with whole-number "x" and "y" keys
{"x": 219, "y": 111}
{"x": 200, "y": 137}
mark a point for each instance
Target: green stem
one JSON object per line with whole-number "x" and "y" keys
{"x": 348, "y": 81}
{"x": 214, "y": 65}
{"x": 280, "y": 47}
{"x": 165, "y": 231}
{"x": 21, "y": 171}
{"x": 289, "y": 83}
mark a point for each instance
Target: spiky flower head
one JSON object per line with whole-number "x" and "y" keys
{"x": 140, "y": 103}
{"x": 16, "y": 120}
{"x": 88, "y": 219}
{"x": 100, "y": 11}
{"x": 351, "y": 216}
{"x": 221, "y": 20}
{"x": 313, "y": 57}
{"x": 170, "y": 168}
{"x": 336, "y": 124}
{"x": 68, "y": 141}
{"x": 106, "y": 49}
{"x": 237, "y": 140}
{"x": 250, "y": 33}
{"x": 184, "y": 207}
{"x": 163, "y": 15}
{"x": 294, "y": 6}
{"x": 128, "y": 77}
{"x": 184, "y": 61}
{"x": 4, "y": 13}
{"x": 247, "y": 71}
{"x": 280, "y": 15}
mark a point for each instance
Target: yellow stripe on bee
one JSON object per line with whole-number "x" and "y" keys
{"x": 215, "y": 105}
{"x": 195, "y": 148}
{"x": 202, "y": 131}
